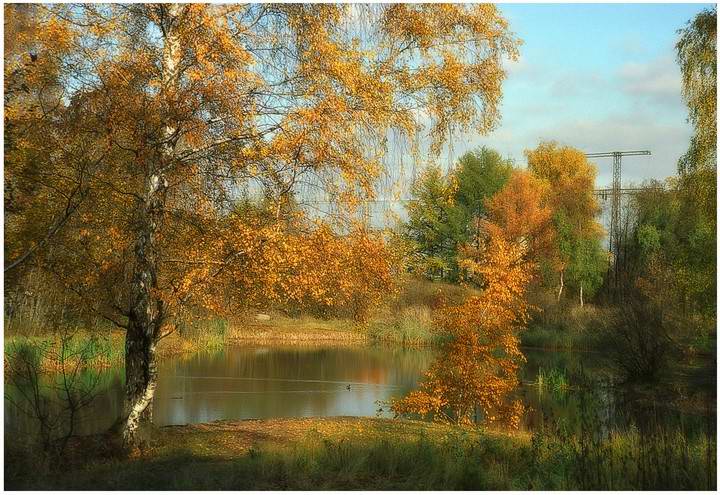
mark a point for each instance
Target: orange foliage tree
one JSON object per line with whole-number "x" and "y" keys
{"x": 130, "y": 130}
{"x": 479, "y": 364}
{"x": 311, "y": 266}
{"x": 523, "y": 212}
{"x": 570, "y": 176}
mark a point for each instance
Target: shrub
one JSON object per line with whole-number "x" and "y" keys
{"x": 640, "y": 344}
{"x": 52, "y": 382}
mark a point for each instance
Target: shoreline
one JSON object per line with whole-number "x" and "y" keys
{"x": 284, "y": 331}
{"x": 300, "y": 332}
{"x": 355, "y": 453}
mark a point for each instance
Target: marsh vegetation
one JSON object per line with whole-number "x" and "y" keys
{"x": 181, "y": 313}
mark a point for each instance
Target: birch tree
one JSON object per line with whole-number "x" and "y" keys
{"x": 163, "y": 113}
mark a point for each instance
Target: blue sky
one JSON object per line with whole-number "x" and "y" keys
{"x": 600, "y": 77}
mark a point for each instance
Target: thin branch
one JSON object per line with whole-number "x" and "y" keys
{"x": 69, "y": 210}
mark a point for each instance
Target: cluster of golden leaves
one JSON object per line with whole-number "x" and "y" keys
{"x": 571, "y": 181}
{"x": 522, "y": 210}
{"x": 478, "y": 366}
{"x": 250, "y": 263}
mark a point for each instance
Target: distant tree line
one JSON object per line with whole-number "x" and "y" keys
{"x": 549, "y": 207}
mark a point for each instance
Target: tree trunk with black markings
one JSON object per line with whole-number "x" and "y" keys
{"x": 146, "y": 314}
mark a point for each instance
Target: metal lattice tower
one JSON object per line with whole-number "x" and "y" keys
{"x": 616, "y": 192}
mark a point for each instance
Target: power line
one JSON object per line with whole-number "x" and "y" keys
{"x": 615, "y": 193}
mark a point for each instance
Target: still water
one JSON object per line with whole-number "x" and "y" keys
{"x": 273, "y": 382}
{"x": 262, "y": 382}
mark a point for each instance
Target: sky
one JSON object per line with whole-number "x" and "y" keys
{"x": 599, "y": 77}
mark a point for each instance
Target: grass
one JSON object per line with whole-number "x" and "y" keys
{"x": 373, "y": 454}
{"x": 411, "y": 326}
{"x": 554, "y": 380}
{"x": 419, "y": 291}
{"x": 566, "y": 326}
{"x": 542, "y": 337}
{"x": 200, "y": 334}
{"x": 299, "y": 330}
{"x": 650, "y": 458}
{"x": 365, "y": 453}
{"x": 106, "y": 349}
{"x": 103, "y": 350}
{"x": 405, "y": 319}
{"x": 98, "y": 351}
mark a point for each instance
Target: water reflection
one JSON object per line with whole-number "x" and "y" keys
{"x": 263, "y": 382}
{"x": 268, "y": 382}
{"x": 271, "y": 382}
{"x": 594, "y": 396}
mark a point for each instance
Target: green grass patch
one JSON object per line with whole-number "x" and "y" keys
{"x": 553, "y": 380}
{"x": 567, "y": 326}
{"x": 204, "y": 334}
{"x": 374, "y": 454}
{"x": 49, "y": 352}
{"x": 408, "y": 326}
{"x": 542, "y": 337}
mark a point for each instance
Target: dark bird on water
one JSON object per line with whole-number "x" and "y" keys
{"x": 348, "y": 387}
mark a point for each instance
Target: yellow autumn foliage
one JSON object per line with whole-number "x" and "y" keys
{"x": 479, "y": 364}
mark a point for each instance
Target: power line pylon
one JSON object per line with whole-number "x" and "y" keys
{"x": 615, "y": 207}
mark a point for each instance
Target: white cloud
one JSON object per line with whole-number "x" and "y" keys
{"x": 630, "y": 44}
{"x": 517, "y": 67}
{"x": 624, "y": 132}
{"x": 631, "y": 106}
{"x": 576, "y": 84}
{"x": 658, "y": 80}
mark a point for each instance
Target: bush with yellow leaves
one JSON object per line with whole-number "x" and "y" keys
{"x": 478, "y": 366}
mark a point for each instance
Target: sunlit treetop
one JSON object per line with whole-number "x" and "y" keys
{"x": 697, "y": 55}
{"x": 266, "y": 92}
{"x": 523, "y": 212}
{"x": 571, "y": 180}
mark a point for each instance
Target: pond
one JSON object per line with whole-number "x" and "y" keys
{"x": 270, "y": 382}
{"x": 241, "y": 382}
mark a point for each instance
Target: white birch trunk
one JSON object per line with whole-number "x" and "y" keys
{"x": 581, "y": 295}
{"x": 146, "y": 309}
{"x": 562, "y": 284}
